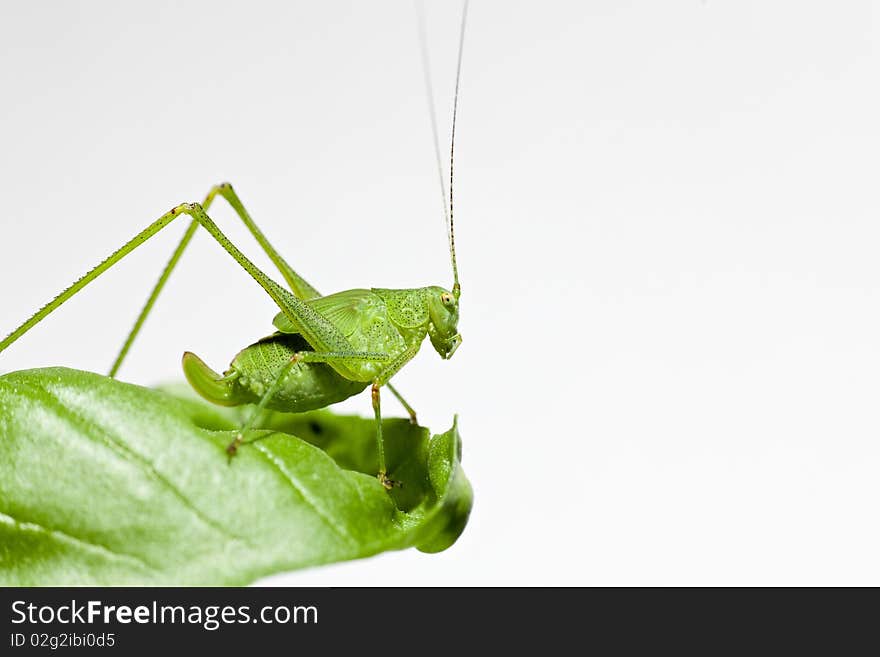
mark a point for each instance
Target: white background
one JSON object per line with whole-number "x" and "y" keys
{"x": 668, "y": 236}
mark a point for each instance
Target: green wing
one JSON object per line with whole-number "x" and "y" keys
{"x": 347, "y": 311}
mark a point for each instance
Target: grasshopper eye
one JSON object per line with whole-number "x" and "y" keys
{"x": 446, "y": 298}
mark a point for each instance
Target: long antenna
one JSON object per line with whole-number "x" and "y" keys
{"x": 447, "y": 213}
{"x": 456, "y": 288}
{"x": 429, "y": 88}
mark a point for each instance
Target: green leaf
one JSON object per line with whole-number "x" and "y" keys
{"x": 107, "y": 483}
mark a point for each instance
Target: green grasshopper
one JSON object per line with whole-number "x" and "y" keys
{"x": 326, "y": 348}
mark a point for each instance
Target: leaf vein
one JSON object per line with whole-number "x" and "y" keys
{"x": 81, "y": 543}
{"x": 308, "y": 498}
{"x": 121, "y": 447}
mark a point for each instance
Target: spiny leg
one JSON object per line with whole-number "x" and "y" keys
{"x": 299, "y": 285}
{"x": 84, "y": 280}
{"x": 151, "y": 300}
{"x": 317, "y": 330}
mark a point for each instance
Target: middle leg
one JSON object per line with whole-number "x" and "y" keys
{"x": 409, "y": 409}
{"x": 303, "y": 357}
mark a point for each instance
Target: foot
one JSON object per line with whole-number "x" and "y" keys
{"x": 232, "y": 448}
{"x": 387, "y": 483}
{"x": 412, "y": 419}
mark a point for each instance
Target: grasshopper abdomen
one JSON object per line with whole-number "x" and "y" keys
{"x": 306, "y": 386}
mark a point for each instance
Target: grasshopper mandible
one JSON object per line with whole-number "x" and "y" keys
{"x": 326, "y": 348}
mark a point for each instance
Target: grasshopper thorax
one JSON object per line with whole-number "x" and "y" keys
{"x": 432, "y": 309}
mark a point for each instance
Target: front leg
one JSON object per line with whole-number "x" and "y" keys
{"x": 393, "y": 368}
{"x": 387, "y": 483}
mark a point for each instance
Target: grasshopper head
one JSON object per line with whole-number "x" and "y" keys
{"x": 443, "y": 325}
